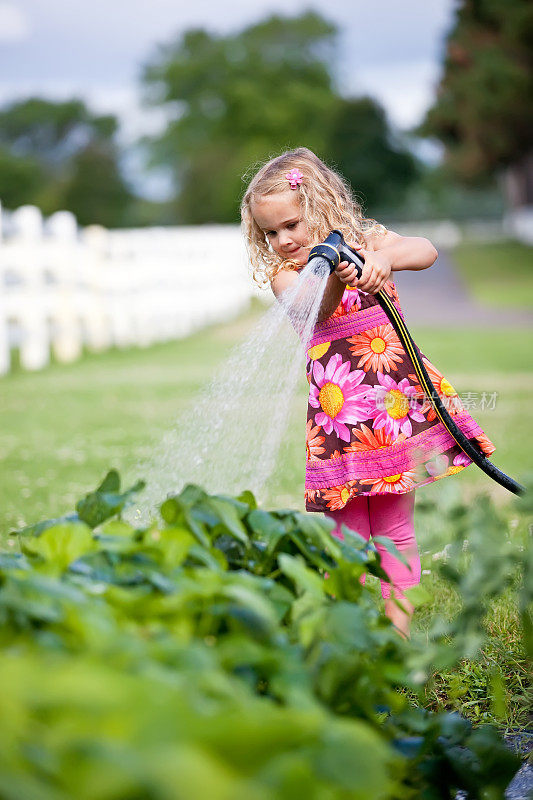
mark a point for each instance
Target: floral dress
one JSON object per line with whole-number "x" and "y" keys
{"x": 370, "y": 428}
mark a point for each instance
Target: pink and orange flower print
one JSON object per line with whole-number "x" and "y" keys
{"x": 393, "y": 405}
{"x": 335, "y": 390}
{"x": 337, "y": 497}
{"x": 313, "y": 441}
{"x": 448, "y": 395}
{"x": 403, "y": 482}
{"x": 379, "y": 349}
{"x": 367, "y": 439}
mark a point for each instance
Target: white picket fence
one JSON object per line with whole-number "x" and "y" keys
{"x": 65, "y": 287}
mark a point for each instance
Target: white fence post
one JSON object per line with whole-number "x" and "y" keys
{"x": 5, "y": 354}
{"x": 29, "y": 310}
{"x": 63, "y": 264}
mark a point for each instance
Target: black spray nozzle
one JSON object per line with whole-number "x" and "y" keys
{"x": 334, "y": 250}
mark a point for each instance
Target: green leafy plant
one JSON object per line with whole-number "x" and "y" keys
{"x": 207, "y": 654}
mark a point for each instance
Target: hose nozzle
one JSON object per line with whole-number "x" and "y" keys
{"x": 334, "y": 250}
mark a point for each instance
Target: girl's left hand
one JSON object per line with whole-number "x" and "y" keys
{"x": 376, "y": 270}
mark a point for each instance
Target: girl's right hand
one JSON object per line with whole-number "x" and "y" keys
{"x": 347, "y": 273}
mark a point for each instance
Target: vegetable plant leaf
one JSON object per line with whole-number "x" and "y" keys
{"x": 61, "y": 544}
{"x": 106, "y": 501}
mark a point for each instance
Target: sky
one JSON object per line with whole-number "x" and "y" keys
{"x": 57, "y": 49}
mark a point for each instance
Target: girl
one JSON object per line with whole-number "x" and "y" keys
{"x": 372, "y": 436}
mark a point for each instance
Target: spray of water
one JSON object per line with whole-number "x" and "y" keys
{"x": 228, "y": 439}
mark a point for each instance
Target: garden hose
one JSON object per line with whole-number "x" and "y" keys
{"x": 334, "y": 250}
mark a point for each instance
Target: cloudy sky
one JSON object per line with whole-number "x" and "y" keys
{"x": 95, "y": 50}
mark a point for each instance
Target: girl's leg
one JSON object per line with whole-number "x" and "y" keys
{"x": 392, "y": 515}
{"x": 355, "y": 516}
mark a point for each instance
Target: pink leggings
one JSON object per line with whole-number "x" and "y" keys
{"x": 390, "y": 515}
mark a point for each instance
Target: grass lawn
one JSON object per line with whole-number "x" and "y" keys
{"x": 65, "y": 426}
{"x": 497, "y": 273}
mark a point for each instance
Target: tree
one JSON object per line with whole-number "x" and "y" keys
{"x": 483, "y": 112}
{"x": 59, "y": 155}
{"x": 95, "y": 188}
{"x": 239, "y": 97}
{"x": 51, "y": 131}
{"x": 362, "y": 147}
{"x": 244, "y": 97}
{"x": 20, "y": 178}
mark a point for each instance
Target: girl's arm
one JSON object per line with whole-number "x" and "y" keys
{"x": 384, "y": 254}
{"x": 405, "y": 252}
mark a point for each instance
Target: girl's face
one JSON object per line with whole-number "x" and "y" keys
{"x": 279, "y": 217}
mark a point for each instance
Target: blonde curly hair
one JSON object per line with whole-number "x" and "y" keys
{"x": 326, "y": 202}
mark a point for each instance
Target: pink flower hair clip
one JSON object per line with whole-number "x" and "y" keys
{"x": 294, "y": 177}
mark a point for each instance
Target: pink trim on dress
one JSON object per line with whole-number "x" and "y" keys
{"x": 349, "y": 324}
{"x": 393, "y": 460}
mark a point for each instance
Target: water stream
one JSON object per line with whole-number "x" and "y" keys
{"x": 228, "y": 438}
